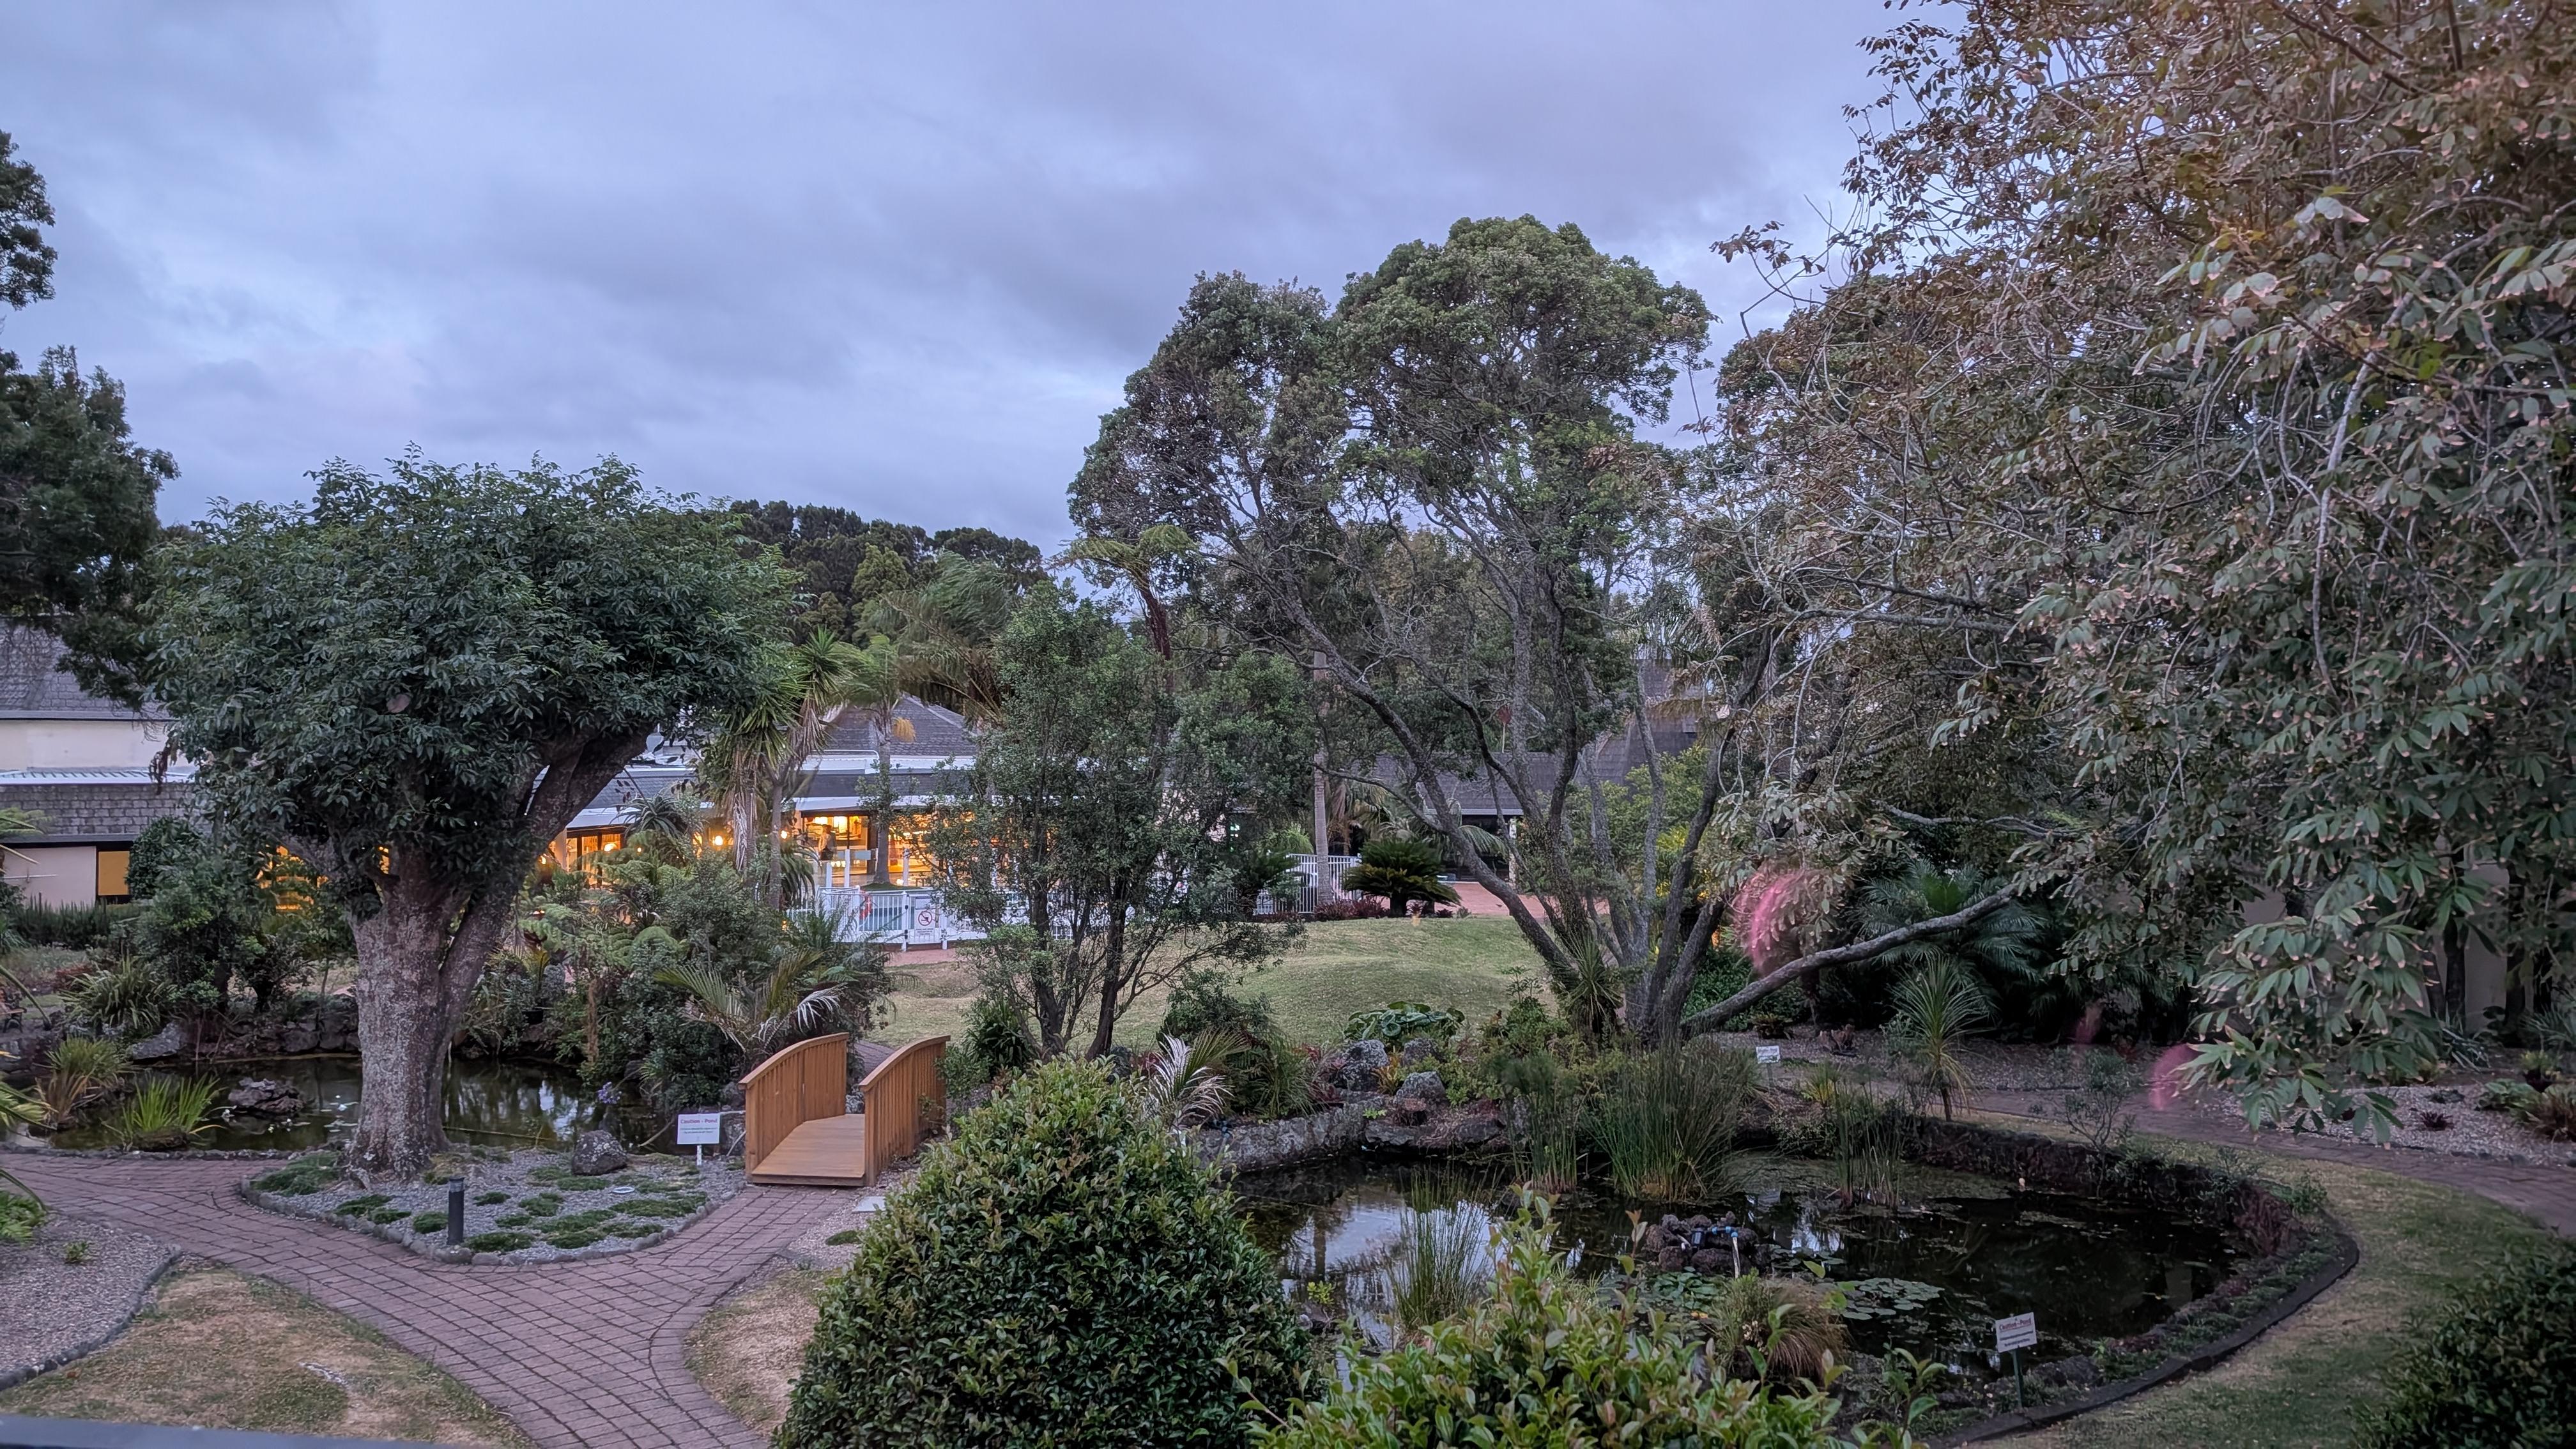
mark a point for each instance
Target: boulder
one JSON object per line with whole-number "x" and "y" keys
{"x": 1418, "y": 1051}
{"x": 265, "y": 1097}
{"x": 1357, "y": 1066}
{"x": 160, "y": 1046}
{"x": 1707, "y": 1260}
{"x": 596, "y": 1153}
{"x": 1424, "y": 1087}
{"x": 1406, "y": 1112}
{"x": 298, "y": 1038}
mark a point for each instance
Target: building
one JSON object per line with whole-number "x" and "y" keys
{"x": 835, "y": 808}
{"x": 86, "y": 770}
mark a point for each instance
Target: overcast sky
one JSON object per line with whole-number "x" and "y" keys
{"x": 896, "y": 258}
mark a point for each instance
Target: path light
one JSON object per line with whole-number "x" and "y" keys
{"x": 456, "y": 1212}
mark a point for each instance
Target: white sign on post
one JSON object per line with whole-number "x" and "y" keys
{"x": 1766, "y": 1054}
{"x": 2019, "y": 1331}
{"x": 698, "y": 1128}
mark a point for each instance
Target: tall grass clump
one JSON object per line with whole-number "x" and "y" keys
{"x": 1437, "y": 1268}
{"x": 1861, "y": 1137}
{"x": 75, "y": 927}
{"x": 122, "y": 996}
{"x": 164, "y": 1114}
{"x": 78, "y": 1071}
{"x": 1666, "y": 1123}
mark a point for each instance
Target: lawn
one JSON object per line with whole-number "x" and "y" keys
{"x": 2301, "y": 1383}
{"x": 1334, "y": 970}
{"x": 218, "y": 1350}
{"x": 748, "y": 1350}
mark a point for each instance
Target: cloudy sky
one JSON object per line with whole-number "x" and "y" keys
{"x": 896, "y": 258}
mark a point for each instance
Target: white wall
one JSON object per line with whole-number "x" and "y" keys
{"x": 54, "y": 875}
{"x": 79, "y": 744}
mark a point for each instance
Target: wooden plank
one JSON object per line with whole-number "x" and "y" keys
{"x": 800, "y": 1082}
{"x": 822, "y": 1152}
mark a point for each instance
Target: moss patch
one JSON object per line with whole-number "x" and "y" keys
{"x": 500, "y": 1242}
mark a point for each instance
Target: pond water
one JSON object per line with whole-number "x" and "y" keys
{"x": 494, "y": 1103}
{"x": 2087, "y": 1268}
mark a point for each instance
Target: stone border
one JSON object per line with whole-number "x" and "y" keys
{"x": 410, "y": 1242}
{"x": 10, "y": 1378}
{"x": 2346, "y": 1256}
{"x": 176, "y": 1154}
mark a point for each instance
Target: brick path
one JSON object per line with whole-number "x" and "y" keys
{"x": 589, "y": 1353}
{"x": 2547, "y": 1194}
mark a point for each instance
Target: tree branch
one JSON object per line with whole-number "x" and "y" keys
{"x": 1815, "y": 961}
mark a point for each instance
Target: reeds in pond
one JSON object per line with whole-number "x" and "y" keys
{"x": 1436, "y": 1268}
{"x": 1666, "y": 1126}
{"x": 165, "y": 1113}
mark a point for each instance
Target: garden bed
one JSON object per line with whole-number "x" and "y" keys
{"x": 69, "y": 1289}
{"x": 520, "y": 1207}
{"x": 2466, "y": 1131}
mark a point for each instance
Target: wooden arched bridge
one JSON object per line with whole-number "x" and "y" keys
{"x": 797, "y": 1126}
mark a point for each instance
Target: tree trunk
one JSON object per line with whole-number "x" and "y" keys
{"x": 404, "y": 1026}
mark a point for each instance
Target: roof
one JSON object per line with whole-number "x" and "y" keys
{"x": 74, "y": 807}
{"x": 33, "y": 684}
{"x": 922, "y": 729}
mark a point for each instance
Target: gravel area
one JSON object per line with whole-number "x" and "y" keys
{"x": 520, "y": 1207}
{"x": 2469, "y": 1133}
{"x": 849, "y": 1212}
{"x": 52, "y": 1311}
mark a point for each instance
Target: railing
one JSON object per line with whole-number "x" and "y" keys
{"x": 905, "y": 1099}
{"x": 797, "y": 1084}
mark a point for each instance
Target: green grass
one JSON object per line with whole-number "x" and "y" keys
{"x": 2301, "y": 1383}
{"x": 1336, "y": 970}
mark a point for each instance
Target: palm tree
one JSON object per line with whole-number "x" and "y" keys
{"x": 1936, "y": 1008}
{"x": 2002, "y": 943}
{"x": 814, "y": 978}
{"x": 1135, "y": 563}
{"x": 756, "y": 763}
{"x": 938, "y": 643}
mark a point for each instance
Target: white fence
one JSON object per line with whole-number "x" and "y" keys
{"x": 918, "y": 918}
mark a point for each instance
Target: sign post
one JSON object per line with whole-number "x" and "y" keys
{"x": 2012, "y": 1335}
{"x": 698, "y": 1130}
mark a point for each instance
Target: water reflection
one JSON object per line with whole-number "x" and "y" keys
{"x": 2088, "y": 1269}
{"x": 493, "y": 1103}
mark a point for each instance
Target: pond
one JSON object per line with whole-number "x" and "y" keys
{"x": 2088, "y": 1269}
{"x": 494, "y": 1103}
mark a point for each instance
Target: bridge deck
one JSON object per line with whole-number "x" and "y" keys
{"x": 821, "y": 1152}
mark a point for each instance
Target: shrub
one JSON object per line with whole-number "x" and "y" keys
{"x": 490, "y": 1199}
{"x": 541, "y": 1204}
{"x": 1062, "y": 1272}
{"x": 76, "y": 1252}
{"x": 364, "y": 1203}
{"x": 1265, "y": 1076}
{"x": 20, "y": 1216}
{"x": 843, "y": 1238}
{"x": 581, "y": 1184}
{"x": 430, "y": 1222}
{"x": 1545, "y": 1353}
{"x": 122, "y": 996}
{"x": 384, "y": 1216}
{"x": 1399, "y": 1022}
{"x": 75, "y": 928}
{"x": 2498, "y": 1369}
{"x": 996, "y": 1043}
{"x": 499, "y": 1242}
{"x": 2504, "y": 1096}
{"x": 2552, "y": 1114}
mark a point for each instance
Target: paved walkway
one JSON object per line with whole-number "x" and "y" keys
{"x": 2547, "y": 1194}
{"x": 590, "y": 1353}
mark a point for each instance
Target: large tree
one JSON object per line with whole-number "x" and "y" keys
{"x": 1093, "y": 836}
{"x": 76, "y": 494}
{"x": 416, "y": 680}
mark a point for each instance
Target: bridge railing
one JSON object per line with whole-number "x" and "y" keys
{"x": 905, "y": 1099}
{"x": 798, "y": 1083}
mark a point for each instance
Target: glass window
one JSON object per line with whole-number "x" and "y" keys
{"x": 111, "y": 872}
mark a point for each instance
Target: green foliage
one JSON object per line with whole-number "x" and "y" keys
{"x": 1862, "y": 1137}
{"x": 20, "y": 1216}
{"x": 386, "y": 1216}
{"x": 122, "y": 995}
{"x": 1399, "y": 1022}
{"x": 815, "y": 982}
{"x": 1265, "y": 1075}
{"x": 72, "y": 546}
{"x": 305, "y": 1175}
{"x": 1666, "y": 1123}
{"x": 1403, "y": 871}
{"x": 163, "y": 1113}
{"x": 161, "y": 850}
{"x": 490, "y": 1199}
{"x": 2505, "y": 1095}
{"x": 200, "y": 927}
{"x": 843, "y": 1238}
{"x": 76, "y": 1252}
{"x": 77, "y": 1071}
{"x": 1094, "y": 803}
{"x": 362, "y": 1204}
{"x": 1936, "y": 1008}
{"x": 429, "y": 1222}
{"x": 2099, "y": 1109}
{"x": 26, "y": 259}
{"x": 2498, "y": 1369}
{"x": 1436, "y": 1269}
{"x": 500, "y": 1241}
{"x": 1547, "y": 1361}
{"x": 541, "y": 1204}
{"x": 76, "y": 927}
{"x": 2552, "y": 1114}
{"x": 1062, "y": 1271}
{"x": 1776, "y": 1329}
{"x": 996, "y": 1042}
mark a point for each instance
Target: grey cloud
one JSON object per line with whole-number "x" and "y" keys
{"x": 896, "y": 258}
